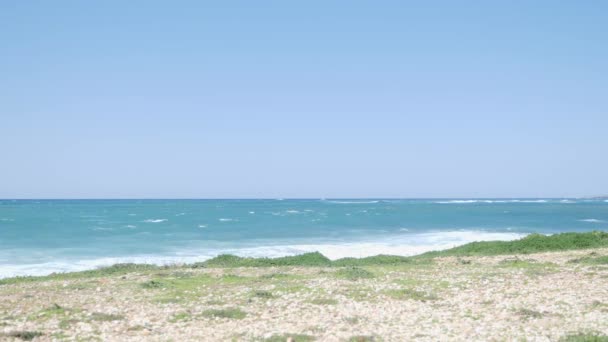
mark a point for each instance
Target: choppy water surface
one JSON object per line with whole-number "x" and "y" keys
{"x": 44, "y": 236}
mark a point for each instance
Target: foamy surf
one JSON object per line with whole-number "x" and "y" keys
{"x": 403, "y": 245}
{"x": 494, "y": 201}
{"x": 592, "y": 220}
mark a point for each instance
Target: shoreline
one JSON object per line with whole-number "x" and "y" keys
{"x": 525, "y": 244}
{"x": 410, "y": 245}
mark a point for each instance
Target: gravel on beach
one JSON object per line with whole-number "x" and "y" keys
{"x": 535, "y": 297}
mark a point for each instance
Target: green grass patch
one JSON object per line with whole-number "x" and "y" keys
{"x": 232, "y": 313}
{"x": 363, "y": 338}
{"x": 602, "y": 260}
{"x": 104, "y": 317}
{"x": 308, "y": 259}
{"x": 405, "y": 294}
{"x": 528, "y": 313}
{"x": 113, "y": 270}
{"x": 289, "y": 337}
{"x": 24, "y": 335}
{"x": 53, "y": 310}
{"x": 262, "y": 294}
{"x": 585, "y": 337}
{"x": 533, "y": 243}
{"x": 181, "y": 316}
{"x": 324, "y": 301}
{"x": 354, "y": 273}
{"x": 153, "y": 284}
{"x": 378, "y": 260}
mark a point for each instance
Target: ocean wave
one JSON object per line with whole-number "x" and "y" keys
{"x": 350, "y": 202}
{"x": 592, "y": 220}
{"x": 406, "y": 244}
{"x": 155, "y": 220}
{"x": 457, "y": 201}
{"x": 202, "y": 226}
{"x": 130, "y": 226}
{"x": 227, "y": 220}
{"x": 102, "y": 228}
{"x": 490, "y": 201}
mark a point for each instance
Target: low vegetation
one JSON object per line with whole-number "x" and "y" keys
{"x": 23, "y": 335}
{"x": 231, "y": 313}
{"x": 585, "y": 337}
{"x": 289, "y": 337}
{"x": 590, "y": 260}
{"x": 354, "y": 273}
{"x": 404, "y": 294}
{"x": 533, "y": 243}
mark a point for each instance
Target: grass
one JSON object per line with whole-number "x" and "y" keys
{"x": 104, "y": 317}
{"x": 24, "y": 335}
{"x": 363, "y": 339}
{"x": 533, "y": 243}
{"x": 585, "y": 337}
{"x": 308, "y": 259}
{"x": 403, "y": 294}
{"x": 153, "y": 284}
{"x": 117, "y": 269}
{"x": 354, "y": 273}
{"x": 528, "y": 313}
{"x": 51, "y": 311}
{"x": 289, "y": 337}
{"x": 181, "y": 316}
{"x": 232, "y": 313}
{"x": 324, "y": 301}
{"x": 262, "y": 294}
{"x": 602, "y": 260}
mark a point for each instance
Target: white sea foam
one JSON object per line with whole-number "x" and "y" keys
{"x": 592, "y": 220}
{"x": 130, "y": 226}
{"x": 227, "y": 220}
{"x": 252, "y": 212}
{"x": 155, "y": 220}
{"x": 102, "y": 228}
{"x": 490, "y": 201}
{"x": 180, "y": 214}
{"x": 202, "y": 226}
{"x": 406, "y": 245}
{"x": 351, "y": 202}
{"x": 457, "y": 201}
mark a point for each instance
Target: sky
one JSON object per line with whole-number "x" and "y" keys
{"x": 303, "y": 99}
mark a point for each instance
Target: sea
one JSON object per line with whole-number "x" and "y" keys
{"x": 39, "y": 237}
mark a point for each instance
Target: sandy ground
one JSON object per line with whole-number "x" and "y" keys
{"x": 539, "y": 297}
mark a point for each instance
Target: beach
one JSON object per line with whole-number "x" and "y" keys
{"x": 548, "y": 296}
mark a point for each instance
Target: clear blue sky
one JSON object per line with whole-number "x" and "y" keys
{"x": 303, "y": 99}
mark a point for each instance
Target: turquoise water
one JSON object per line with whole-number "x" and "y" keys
{"x": 44, "y": 236}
